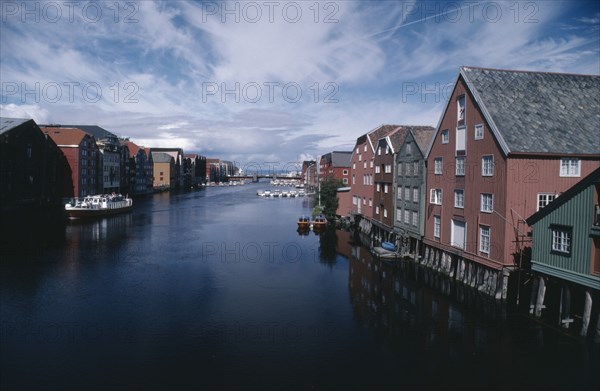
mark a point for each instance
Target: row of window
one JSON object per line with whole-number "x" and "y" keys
{"x": 407, "y": 216}
{"x": 404, "y": 193}
{"x": 387, "y": 169}
{"x": 458, "y": 234}
{"x": 408, "y": 169}
{"x": 460, "y": 135}
{"x": 487, "y": 166}
{"x": 486, "y": 204}
{"x": 364, "y": 163}
{"x": 356, "y": 200}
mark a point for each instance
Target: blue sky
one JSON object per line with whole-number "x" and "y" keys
{"x": 270, "y": 81}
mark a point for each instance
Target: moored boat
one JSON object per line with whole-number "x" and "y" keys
{"x": 98, "y": 206}
{"x": 319, "y": 222}
{"x": 303, "y": 222}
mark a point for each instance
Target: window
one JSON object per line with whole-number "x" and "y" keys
{"x": 399, "y": 192}
{"x": 487, "y": 202}
{"x": 345, "y": 180}
{"x": 459, "y": 198}
{"x": 561, "y": 240}
{"x": 345, "y": 172}
{"x": 436, "y": 196}
{"x": 377, "y": 187}
{"x": 399, "y": 214}
{"x": 378, "y": 150}
{"x": 371, "y": 163}
{"x": 384, "y": 212}
{"x": 364, "y": 201}
{"x": 365, "y": 148}
{"x": 570, "y": 167}
{"x": 376, "y": 210}
{"x": 544, "y": 199}
{"x": 407, "y": 193}
{"x": 460, "y": 166}
{"x": 415, "y": 218}
{"x": 479, "y": 132}
{"x": 460, "y": 109}
{"x": 399, "y": 169}
{"x": 458, "y": 234}
{"x": 487, "y": 165}
{"x": 354, "y": 166}
{"x": 415, "y": 168}
{"x": 365, "y": 164}
{"x": 437, "y": 165}
{"x": 415, "y": 194}
{"x": 377, "y": 170}
{"x": 408, "y": 169}
{"x": 385, "y": 188}
{"x": 406, "y": 216}
{"x": 360, "y": 158}
{"x": 461, "y": 139}
{"x": 445, "y": 136}
{"x": 354, "y": 202}
{"x": 357, "y": 148}
{"x": 484, "y": 239}
{"x": 409, "y": 149}
{"x": 388, "y": 168}
{"x": 370, "y": 202}
{"x": 354, "y": 180}
{"x": 437, "y": 226}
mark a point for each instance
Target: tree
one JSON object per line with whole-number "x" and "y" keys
{"x": 328, "y": 197}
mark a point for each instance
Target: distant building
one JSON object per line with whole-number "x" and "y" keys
{"x": 194, "y": 170}
{"x": 335, "y": 165}
{"x": 177, "y": 176}
{"x": 141, "y": 169}
{"x": 165, "y": 171}
{"x": 83, "y": 157}
{"x": 34, "y": 173}
{"x": 309, "y": 174}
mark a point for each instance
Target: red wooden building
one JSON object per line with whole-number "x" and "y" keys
{"x": 507, "y": 144}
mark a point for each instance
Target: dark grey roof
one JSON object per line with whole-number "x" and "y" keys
{"x": 539, "y": 112}
{"x": 7, "y": 124}
{"x": 423, "y": 136}
{"x": 341, "y": 159}
{"x": 161, "y": 157}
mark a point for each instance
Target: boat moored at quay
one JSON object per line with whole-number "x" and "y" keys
{"x": 98, "y": 206}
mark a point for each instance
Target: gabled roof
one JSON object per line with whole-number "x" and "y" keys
{"x": 423, "y": 136}
{"x": 538, "y": 112}
{"x": 161, "y": 157}
{"x": 95, "y": 130}
{"x": 583, "y": 184}
{"x": 383, "y": 130}
{"x": 7, "y": 124}
{"x": 338, "y": 158}
{"x": 397, "y": 136}
{"x": 66, "y": 137}
{"x": 132, "y": 147}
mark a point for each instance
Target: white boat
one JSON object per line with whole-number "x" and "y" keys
{"x": 98, "y": 206}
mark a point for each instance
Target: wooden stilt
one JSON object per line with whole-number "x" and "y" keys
{"x": 534, "y": 293}
{"x": 539, "y": 305}
{"x": 587, "y": 312}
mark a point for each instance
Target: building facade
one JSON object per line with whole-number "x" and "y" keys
{"x": 165, "y": 171}
{"x": 83, "y": 156}
{"x": 500, "y": 151}
{"x": 335, "y": 165}
{"x": 410, "y": 173}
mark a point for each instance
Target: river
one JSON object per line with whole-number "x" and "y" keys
{"x": 216, "y": 289}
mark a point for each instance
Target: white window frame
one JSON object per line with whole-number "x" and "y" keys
{"x": 453, "y": 241}
{"x": 345, "y": 172}
{"x": 388, "y": 168}
{"x": 400, "y": 191}
{"x": 461, "y": 137}
{"x": 384, "y": 212}
{"x": 438, "y": 166}
{"x": 377, "y": 170}
{"x": 485, "y": 239}
{"x": 479, "y": 132}
{"x": 487, "y": 165}
{"x": 377, "y": 187}
{"x": 399, "y": 168}
{"x": 415, "y": 194}
{"x": 376, "y": 210}
{"x": 435, "y": 196}
{"x": 461, "y": 171}
{"x": 406, "y": 193}
{"x": 561, "y": 240}
{"x": 437, "y": 227}
{"x": 483, "y": 207}
{"x": 462, "y": 117}
{"x": 406, "y": 216}
{"x": 543, "y": 198}
{"x": 445, "y": 136}
{"x": 385, "y": 188}
{"x": 570, "y": 167}
{"x": 459, "y": 195}
{"x": 416, "y": 168}
{"x": 399, "y": 214}
{"x": 415, "y": 218}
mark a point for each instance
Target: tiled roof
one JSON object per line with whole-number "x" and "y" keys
{"x": 397, "y": 138}
{"x": 379, "y": 132}
{"x": 132, "y": 147}
{"x": 423, "y": 136}
{"x": 539, "y": 112}
{"x": 94, "y": 130}
{"x": 65, "y": 136}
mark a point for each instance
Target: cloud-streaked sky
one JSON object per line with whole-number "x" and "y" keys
{"x": 270, "y": 81}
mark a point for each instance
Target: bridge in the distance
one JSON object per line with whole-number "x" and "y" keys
{"x": 257, "y": 177}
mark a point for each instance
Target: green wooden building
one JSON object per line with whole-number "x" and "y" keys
{"x": 566, "y": 253}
